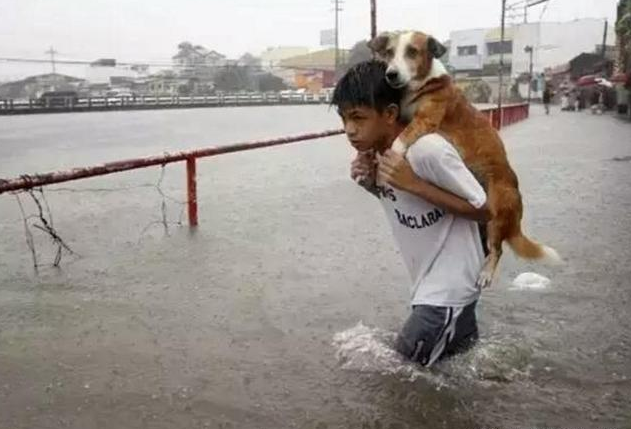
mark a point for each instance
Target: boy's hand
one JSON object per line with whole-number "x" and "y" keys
{"x": 396, "y": 171}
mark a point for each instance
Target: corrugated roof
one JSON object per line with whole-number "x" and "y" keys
{"x": 319, "y": 60}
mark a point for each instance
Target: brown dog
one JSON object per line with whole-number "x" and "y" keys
{"x": 432, "y": 104}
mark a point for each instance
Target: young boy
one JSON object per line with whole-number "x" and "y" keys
{"x": 433, "y": 203}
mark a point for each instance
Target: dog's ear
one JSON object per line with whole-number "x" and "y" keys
{"x": 435, "y": 48}
{"x": 379, "y": 43}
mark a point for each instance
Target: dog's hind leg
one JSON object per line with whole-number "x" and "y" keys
{"x": 489, "y": 269}
{"x": 506, "y": 210}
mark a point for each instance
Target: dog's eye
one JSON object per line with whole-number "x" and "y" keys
{"x": 390, "y": 52}
{"x": 411, "y": 52}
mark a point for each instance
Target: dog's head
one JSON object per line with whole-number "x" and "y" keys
{"x": 409, "y": 55}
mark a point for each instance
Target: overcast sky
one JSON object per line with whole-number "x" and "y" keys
{"x": 137, "y": 30}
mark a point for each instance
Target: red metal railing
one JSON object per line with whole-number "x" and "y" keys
{"x": 512, "y": 114}
{"x": 31, "y": 181}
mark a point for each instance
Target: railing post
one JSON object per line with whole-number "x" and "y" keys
{"x": 191, "y": 186}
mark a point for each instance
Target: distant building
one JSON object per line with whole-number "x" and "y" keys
{"x": 195, "y": 61}
{"x": 34, "y": 86}
{"x": 168, "y": 83}
{"x": 101, "y": 71}
{"x": 272, "y": 56}
{"x": 556, "y": 43}
{"x": 477, "y": 51}
{"x": 585, "y": 64}
{"x": 312, "y": 71}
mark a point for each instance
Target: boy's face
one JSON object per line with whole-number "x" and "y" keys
{"x": 367, "y": 128}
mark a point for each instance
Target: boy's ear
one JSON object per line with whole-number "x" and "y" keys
{"x": 392, "y": 113}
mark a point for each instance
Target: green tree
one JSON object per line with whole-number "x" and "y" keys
{"x": 269, "y": 82}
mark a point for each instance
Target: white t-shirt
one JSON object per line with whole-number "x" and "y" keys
{"x": 442, "y": 252}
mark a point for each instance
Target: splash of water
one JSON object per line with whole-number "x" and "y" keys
{"x": 492, "y": 360}
{"x": 365, "y": 349}
{"x": 370, "y": 350}
{"x": 530, "y": 281}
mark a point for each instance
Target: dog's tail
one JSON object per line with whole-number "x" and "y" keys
{"x": 528, "y": 249}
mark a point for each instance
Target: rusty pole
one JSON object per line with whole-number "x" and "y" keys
{"x": 191, "y": 188}
{"x": 373, "y": 19}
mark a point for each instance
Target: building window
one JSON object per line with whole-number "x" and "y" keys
{"x": 464, "y": 51}
{"x": 495, "y": 48}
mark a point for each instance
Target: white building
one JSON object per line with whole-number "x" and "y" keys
{"x": 473, "y": 49}
{"x": 554, "y": 43}
{"x": 102, "y": 70}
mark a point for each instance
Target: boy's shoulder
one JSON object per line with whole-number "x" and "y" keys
{"x": 430, "y": 147}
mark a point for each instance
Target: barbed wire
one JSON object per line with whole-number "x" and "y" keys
{"x": 43, "y": 219}
{"x": 46, "y": 225}
{"x": 163, "y": 208}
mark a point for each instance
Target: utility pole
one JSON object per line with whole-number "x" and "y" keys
{"x": 52, "y": 53}
{"x": 604, "y": 49}
{"x": 373, "y": 19}
{"x": 512, "y": 7}
{"x": 338, "y": 9}
{"x": 501, "y": 71}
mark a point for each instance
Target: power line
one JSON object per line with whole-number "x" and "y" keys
{"x": 262, "y": 66}
{"x": 519, "y": 8}
{"x": 545, "y": 8}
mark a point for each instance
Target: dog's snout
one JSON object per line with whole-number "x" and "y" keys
{"x": 392, "y": 75}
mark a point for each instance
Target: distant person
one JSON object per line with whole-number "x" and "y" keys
{"x": 597, "y": 101}
{"x": 565, "y": 101}
{"x": 547, "y": 98}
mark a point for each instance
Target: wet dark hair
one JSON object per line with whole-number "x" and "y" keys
{"x": 364, "y": 85}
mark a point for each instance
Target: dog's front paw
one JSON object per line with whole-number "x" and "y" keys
{"x": 399, "y": 147}
{"x": 485, "y": 278}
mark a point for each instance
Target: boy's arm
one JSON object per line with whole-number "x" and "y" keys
{"x": 453, "y": 187}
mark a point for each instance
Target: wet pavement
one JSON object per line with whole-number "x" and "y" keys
{"x": 248, "y": 321}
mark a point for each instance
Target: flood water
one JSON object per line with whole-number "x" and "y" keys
{"x": 280, "y": 309}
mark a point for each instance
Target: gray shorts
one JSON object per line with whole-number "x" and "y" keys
{"x": 432, "y": 333}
